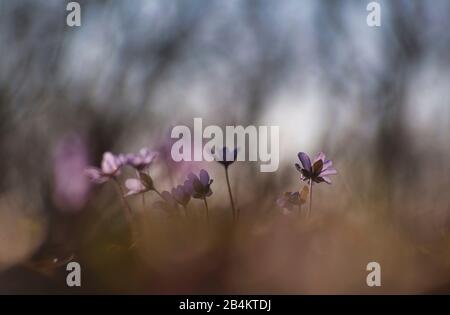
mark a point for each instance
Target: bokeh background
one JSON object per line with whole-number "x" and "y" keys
{"x": 375, "y": 100}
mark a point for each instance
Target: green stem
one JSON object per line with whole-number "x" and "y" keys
{"x": 233, "y": 209}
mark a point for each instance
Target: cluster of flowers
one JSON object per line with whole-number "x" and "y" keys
{"x": 199, "y": 186}
{"x": 195, "y": 186}
{"x": 111, "y": 165}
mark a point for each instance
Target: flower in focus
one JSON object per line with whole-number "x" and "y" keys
{"x": 225, "y": 156}
{"x": 182, "y": 193}
{"x": 139, "y": 185}
{"x": 140, "y": 161}
{"x": 110, "y": 167}
{"x": 199, "y": 185}
{"x": 319, "y": 171}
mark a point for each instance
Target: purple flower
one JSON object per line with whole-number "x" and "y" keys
{"x": 110, "y": 167}
{"x": 182, "y": 193}
{"x": 319, "y": 171}
{"x": 140, "y": 161}
{"x": 225, "y": 156}
{"x": 199, "y": 185}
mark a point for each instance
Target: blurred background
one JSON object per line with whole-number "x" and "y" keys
{"x": 374, "y": 99}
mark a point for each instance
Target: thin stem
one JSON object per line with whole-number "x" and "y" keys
{"x": 159, "y": 194}
{"x": 207, "y": 209}
{"x": 127, "y": 211}
{"x": 143, "y": 202}
{"x": 169, "y": 172}
{"x": 233, "y": 209}
{"x": 299, "y": 210}
{"x": 154, "y": 189}
{"x": 310, "y": 197}
{"x": 126, "y": 207}
{"x": 185, "y": 211}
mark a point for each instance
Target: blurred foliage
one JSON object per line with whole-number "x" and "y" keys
{"x": 375, "y": 100}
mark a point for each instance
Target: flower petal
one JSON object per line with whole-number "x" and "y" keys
{"x": 320, "y": 156}
{"x": 192, "y": 177}
{"x": 131, "y": 193}
{"x": 317, "y": 167}
{"x": 323, "y": 179}
{"x": 328, "y": 171}
{"x": 144, "y": 152}
{"x": 327, "y": 164}
{"x": 204, "y": 177}
{"x": 134, "y": 185}
{"x": 109, "y": 163}
{"x": 306, "y": 162}
{"x": 95, "y": 175}
{"x": 187, "y": 186}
